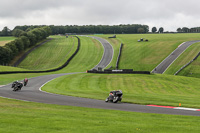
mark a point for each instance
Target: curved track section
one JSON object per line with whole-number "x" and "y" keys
{"x": 108, "y": 53}
{"x": 162, "y": 67}
{"x": 32, "y": 93}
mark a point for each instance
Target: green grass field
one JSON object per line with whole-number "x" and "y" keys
{"x": 4, "y": 40}
{"x": 50, "y": 55}
{"x": 57, "y": 51}
{"x": 147, "y": 55}
{"x": 18, "y": 116}
{"x": 193, "y": 70}
{"x": 23, "y": 117}
{"x": 140, "y": 89}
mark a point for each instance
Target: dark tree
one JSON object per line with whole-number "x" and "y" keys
{"x": 161, "y": 30}
{"x": 6, "y": 31}
{"x": 179, "y": 30}
{"x": 154, "y": 29}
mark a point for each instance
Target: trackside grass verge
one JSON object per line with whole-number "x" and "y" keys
{"x": 18, "y": 116}
{"x": 193, "y": 69}
{"x": 140, "y": 89}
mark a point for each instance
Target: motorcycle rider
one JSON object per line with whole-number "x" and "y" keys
{"x": 14, "y": 83}
{"x": 25, "y": 81}
{"x": 18, "y": 86}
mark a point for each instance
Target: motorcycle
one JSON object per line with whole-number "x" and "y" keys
{"x": 25, "y": 81}
{"x": 14, "y": 83}
{"x": 18, "y": 86}
{"x": 114, "y": 96}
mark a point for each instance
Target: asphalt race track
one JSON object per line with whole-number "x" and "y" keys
{"x": 162, "y": 67}
{"x": 108, "y": 53}
{"x": 32, "y": 93}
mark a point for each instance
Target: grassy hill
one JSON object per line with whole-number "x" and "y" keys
{"x": 19, "y": 116}
{"x": 147, "y": 55}
{"x": 193, "y": 70}
{"x": 141, "y": 89}
{"x": 50, "y": 55}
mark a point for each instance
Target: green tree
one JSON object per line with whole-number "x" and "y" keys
{"x": 154, "y": 29}
{"x": 25, "y": 41}
{"x": 185, "y": 29}
{"x": 179, "y": 30}
{"x": 140, "y": 30}
{"x": 11, "y": 45}
{"x": 161, "y": 30}
{"x": 6, "y": 31}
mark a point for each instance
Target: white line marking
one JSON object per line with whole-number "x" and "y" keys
{"x": 190, "y": 109}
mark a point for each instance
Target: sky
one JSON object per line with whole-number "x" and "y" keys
{"x": 169, "y": 14}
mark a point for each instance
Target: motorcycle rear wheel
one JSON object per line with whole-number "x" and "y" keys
{"x": 115, "y": 99}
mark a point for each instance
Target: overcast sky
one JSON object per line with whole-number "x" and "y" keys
{"x": 169, "y": 14}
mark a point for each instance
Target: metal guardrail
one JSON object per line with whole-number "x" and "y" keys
{"x": 187, "y": 64}
{"x": 118, "y": 58}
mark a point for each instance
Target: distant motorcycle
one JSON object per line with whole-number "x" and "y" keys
{"x": 25, "y": 81}
{"x": 114, "y": 96}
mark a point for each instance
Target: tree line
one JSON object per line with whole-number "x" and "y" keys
{"x": 188, "y": 30}
{"x": 25, "y": 40}
{"x": 93, "y": 29}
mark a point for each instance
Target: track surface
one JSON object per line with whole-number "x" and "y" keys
{"x": 108, "y": 53}
{"x": 32, "y": 93}
{"x": 162, "y": 67}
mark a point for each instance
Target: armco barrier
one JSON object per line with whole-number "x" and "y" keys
{"x": 51, "y": 70}
{"x": 122, "y": 71}
{"x": 187, "y": 64}
{"x": 118, "y": 59}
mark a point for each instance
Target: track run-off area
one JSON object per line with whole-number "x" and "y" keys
{"x": 34, "y": 93}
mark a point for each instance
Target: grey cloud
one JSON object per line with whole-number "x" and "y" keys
{"x": 152, "y": 12}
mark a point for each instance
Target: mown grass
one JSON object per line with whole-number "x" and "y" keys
{"x": 50, "y": 55}
{"x": 193, "y": 70}
{"x": 56, "y": 52}
{"x": 140, "y": 89}
{"x": 18, "y": 116}
{"x": 89, "y": 55}
{"x": 146, "y": 56}
{"x": 187, "y": 56}
{"x": 10, "y": 68}
{"x": 4, "y": 40}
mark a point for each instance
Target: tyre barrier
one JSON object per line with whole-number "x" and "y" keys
{"x": 118, "y": 58}
{"x": 51, "y": 70}
{"x": 121, "y": 71}
{"x": 187, "y": 64}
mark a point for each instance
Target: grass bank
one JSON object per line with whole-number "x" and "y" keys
{"x": 194, "y": 69}
{"x": 140, "y": 89}
{"x": 18, "y": 116}
{"x": 143, "y": 56}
